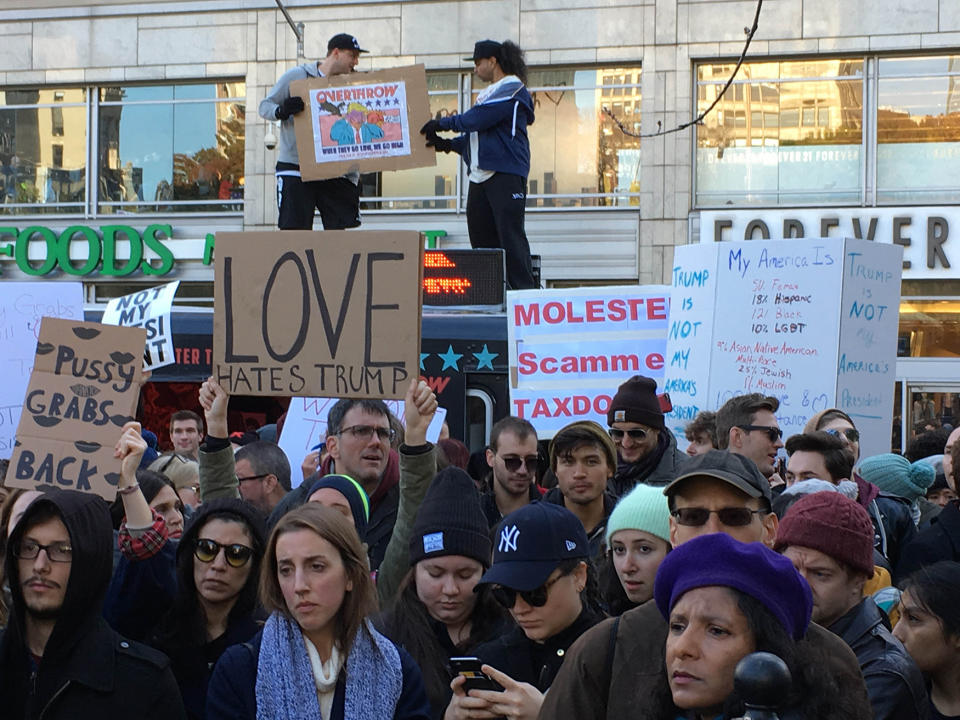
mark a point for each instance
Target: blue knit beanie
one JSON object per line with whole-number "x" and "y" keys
{"x": 355, "y": 495}
{"x": 643, "y": 508}
{"x": 896, "y": 475}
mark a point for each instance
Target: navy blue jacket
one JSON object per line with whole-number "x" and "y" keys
{"x": 232, "y": 693}
{"x": 500, "y": 122}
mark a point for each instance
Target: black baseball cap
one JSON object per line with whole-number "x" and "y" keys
{"x": 736, "y": 470}
{"x": 344, "y": 41}
{"x": 532, "y": 542}
{"x": 484, "y": 49}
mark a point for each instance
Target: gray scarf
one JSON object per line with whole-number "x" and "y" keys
{"x": 285, "y": 686}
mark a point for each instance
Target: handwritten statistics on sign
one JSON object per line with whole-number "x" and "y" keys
{"x": 812, "y": 323}
{"x": 571, "y": 348}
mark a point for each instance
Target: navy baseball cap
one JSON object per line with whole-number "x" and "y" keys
{"x": 532, "y": 542}
{"x": 484, "y": 49}
{"x": 344, "y": 41}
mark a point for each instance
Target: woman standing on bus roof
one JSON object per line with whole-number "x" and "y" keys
{"x": 494, "y": 145}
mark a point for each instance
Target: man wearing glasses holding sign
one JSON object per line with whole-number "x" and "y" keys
{"x": 646, "y": 450}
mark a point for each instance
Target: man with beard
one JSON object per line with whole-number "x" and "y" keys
{"x": 58, "y": 656}
{"x": 513, "y": 460}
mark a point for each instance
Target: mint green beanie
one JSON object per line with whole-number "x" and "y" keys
{"x": 643, "y": 508}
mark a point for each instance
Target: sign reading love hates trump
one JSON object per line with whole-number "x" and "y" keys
{"x": 84, "y": 387}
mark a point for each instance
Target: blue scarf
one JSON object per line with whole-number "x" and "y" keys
{"x": 285, "y": 686}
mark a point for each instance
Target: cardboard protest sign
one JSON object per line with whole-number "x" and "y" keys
{"x": 306, "y": 426}
{"x": 22, "y": 305}
{"x": 362, "y": 121}
{"x": 333, "y": 314}
{"x": 812, "y": 323}
{"x": 149, "y": 309}
{"x": 571, "y": 348}
{"x": 84, "y": 387}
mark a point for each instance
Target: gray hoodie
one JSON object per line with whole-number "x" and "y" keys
{"x": 287, "y": 146}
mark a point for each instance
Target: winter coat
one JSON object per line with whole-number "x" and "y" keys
{"x": 895, "y": 686}
{"x": 614, "y": 669}
{"x": 87, "y": 669}
{"x": 596, "y": 535}
{"x": 497, "y": 128}
{"x": 939, "y": 541}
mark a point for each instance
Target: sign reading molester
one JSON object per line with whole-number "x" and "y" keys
{"x": 84, "y": 388}
{"x": 304, "y": 313}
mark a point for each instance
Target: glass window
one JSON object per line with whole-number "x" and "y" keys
{"x": 808, "y": 148}
{"x": 43, "y": 150}
{"x": 579, "y": 155}
{"x": 918, "y": 129}
{"x": 420, "y": 188}
{"x": 929, "y": 328}
{"x": 171, "y": 148}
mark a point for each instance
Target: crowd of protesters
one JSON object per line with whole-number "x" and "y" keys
{"x": 612, "y": 576}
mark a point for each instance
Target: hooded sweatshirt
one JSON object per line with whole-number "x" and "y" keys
{"x": 87, "y": 670}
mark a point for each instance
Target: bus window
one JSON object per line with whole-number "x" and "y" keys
{"x": 479, "y": 419}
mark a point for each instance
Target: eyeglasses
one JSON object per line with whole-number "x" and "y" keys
{"x": 730, "y": 516}
{"x": 174, "y": 456}
{"x": 852, "y": 434}
{"x": 56, "y": 552}
{"x": 252, "y": 477}
{"x": 365, "y": 432}
{"x": 535, "y": 598}
{"x": 236, "y": 555}
{"x": 774, "y": 433}
{"x": 635, "y": 434}
{"x": 513, "y": 463}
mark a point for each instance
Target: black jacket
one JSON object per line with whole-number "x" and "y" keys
{"x": 895, "y": 685}
{"x": 488, "y": 503}
{"x": 87, "y": 670}
{"x": 659, "y": 469}
{"x": 939, "y": 541}
{"x": 531, "y": 662}
{"x": 597, "y": 535}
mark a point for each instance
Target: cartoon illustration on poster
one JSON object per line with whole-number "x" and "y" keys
{"x": 360, "y": 121}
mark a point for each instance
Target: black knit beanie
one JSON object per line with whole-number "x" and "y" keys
{"x": 636, "y": 401}
{"x": 450, "y": 520}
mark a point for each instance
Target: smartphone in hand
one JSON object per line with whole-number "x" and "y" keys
{"x": 469, "y": 667}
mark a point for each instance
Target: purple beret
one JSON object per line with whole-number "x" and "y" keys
{"x": 751, "y": 568}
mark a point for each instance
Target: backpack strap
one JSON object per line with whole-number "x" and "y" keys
{"x": 611, "y": 650}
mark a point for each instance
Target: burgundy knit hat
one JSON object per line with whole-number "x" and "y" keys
{"x": 636, "y": 401}
{"x": 833, "y": 524}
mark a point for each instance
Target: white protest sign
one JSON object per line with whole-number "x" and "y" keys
{"x": 306, "y": 426}
{"x": 22, "y": 305}
{"x": 571, "y": 348}
{"x": 149, "y": 309}
{"x": 812, "y": 323}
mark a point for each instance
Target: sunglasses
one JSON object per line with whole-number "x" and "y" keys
{"x": 169, "y": 462}
{"x": 537, "y": 597}
{"x": 513, "y": 463}
{"x": 635, "y": 434}
{"x": 236, "y": 555}
{"x": 851, "y": 434}
{"x": 774, "y": 433}
{"x": 731, "y": 516}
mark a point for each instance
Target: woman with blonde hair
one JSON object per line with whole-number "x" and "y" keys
{"x": 317, "y": 656}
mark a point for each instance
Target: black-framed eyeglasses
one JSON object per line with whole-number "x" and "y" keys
{"x": 365, "y": 432}
{"x": 729, "y": 516}
{"x": 56, "y": 552}
{"x": 170, "y": 459}
{"x": 253, "y": 477}
{"x": 236, "y": 555}
{"x": 851, "y": 434}
{"x": 774, "y": 433}
{"x": 537, "y": 597}
{"x": 513, "y": 463}
{"x": 617, "y": 434}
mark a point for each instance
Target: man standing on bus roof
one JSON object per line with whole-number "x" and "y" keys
{"x": 337, "y": 199}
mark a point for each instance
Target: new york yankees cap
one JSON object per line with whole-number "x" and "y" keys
{"x": 531, "y": 542}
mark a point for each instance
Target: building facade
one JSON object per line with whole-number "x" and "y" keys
{"x": 129, "y": 134}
